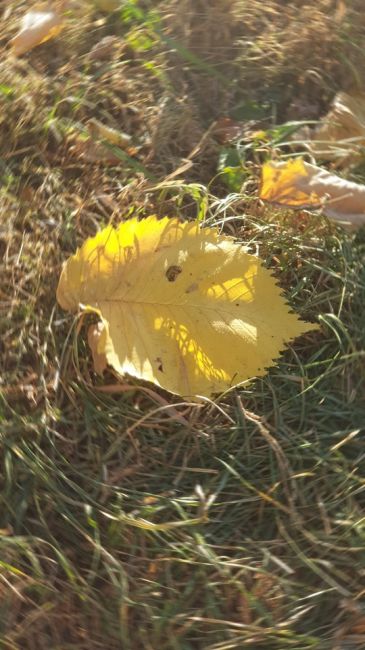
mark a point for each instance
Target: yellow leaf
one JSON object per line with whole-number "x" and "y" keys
{"x": 181, "y": 306}
{"x": 298, "y": 184}
{"x": 280, "y": 183}
{"x": 37, "y": 27}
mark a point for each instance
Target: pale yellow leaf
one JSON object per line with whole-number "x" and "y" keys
{"x": 37, "y": 27}
{"x": 298, "y": 184}
{"x": 181, "y": 306}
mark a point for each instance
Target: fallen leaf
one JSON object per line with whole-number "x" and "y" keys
{"x": 105, "y": 48}
{"x": 94, "y": 152}
{"x": 95, "y": 148}
{"x": 225, "y": 129}
{"x": 182, "y": 307}
{"x": 37, "y": 27}
{"x": 297, "y": 184}
{"x": 340, "y": 136}
{"x": 113, "y": 136}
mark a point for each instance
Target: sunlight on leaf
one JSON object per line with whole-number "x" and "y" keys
{"x": 280, "y": 183}
{"x": 181, "y": 306}
{"x": 297, "y": 184}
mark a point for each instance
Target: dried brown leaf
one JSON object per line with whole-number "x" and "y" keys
{"x": 225, "y": 129}
{"x": 340, "y": 136}
{"x": 105, "y": 48}
{"x": 94, "y": 152}
{"x": 100, "y": 131}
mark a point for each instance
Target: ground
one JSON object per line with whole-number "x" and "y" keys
{"x": 129, "y": 518}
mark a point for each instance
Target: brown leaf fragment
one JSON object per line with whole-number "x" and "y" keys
{"x": 225, "y": 129}
{"x": 100, "y": 131}
{"x": 105, "y": 49}
{"x": 95, "y": 148}
{"x": 340, "y": 135}
{"x": 94, "y": 152}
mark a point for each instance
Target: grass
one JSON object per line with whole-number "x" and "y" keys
{"x": 130, "y": 519}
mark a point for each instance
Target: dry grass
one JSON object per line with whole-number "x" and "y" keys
{"x": 110, "y": 536}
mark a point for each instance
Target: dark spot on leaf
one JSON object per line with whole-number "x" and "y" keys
{"x": 160, "y": 364}
{"x": 172, "y": 272}
{"x": 237, "y": 304}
